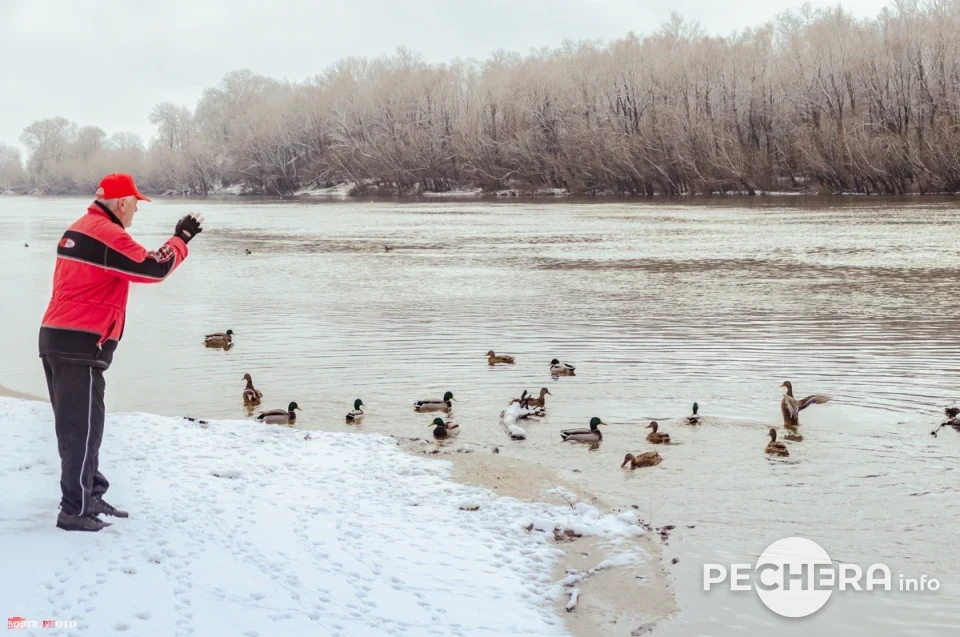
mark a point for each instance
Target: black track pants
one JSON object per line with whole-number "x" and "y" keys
{"x": 76, "y": 393}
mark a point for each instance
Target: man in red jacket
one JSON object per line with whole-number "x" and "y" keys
{"x": 96, "y": 262}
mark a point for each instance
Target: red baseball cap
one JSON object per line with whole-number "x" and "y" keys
{"x": 119, "y": 185}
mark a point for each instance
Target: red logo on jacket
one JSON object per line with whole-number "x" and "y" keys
{"x": 67, "y": 243}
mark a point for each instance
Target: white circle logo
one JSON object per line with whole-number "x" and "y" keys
{"x": 788, "y": 579}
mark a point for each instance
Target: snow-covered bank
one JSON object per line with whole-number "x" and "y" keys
{"x": 239, "y": 528}
{"x": 343, "y": 189}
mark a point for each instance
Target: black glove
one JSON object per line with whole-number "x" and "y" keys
{"x": 189, "y": 227}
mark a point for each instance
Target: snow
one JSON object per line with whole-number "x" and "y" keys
{"x": 235, "y": 189}
{"x": 541, "y": 192}
{"x": 514, "y": 412}
{"x": 241, "y": 528}
{"x": 456, "y": 192}
{"x": 343, "y": 189}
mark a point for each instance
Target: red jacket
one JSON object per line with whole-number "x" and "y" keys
{"x": 96, "y": 262}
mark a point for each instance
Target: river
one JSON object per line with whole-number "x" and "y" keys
{"x": 657, "y": 304}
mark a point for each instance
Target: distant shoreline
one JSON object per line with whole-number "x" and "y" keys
{"x": 349, "y": 192}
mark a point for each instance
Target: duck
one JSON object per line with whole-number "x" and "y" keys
{"x": 218, "y": 339}
{"x": 493, "y": 359}
{"x": 387, "y": 249}
{"x": 248, "y": 251}
{"x": 649, "y": 459}
{"x": 251, "y": 395}
{"x": 951, "y": 421}
{"x": 286, "y": 416}
{"x": 443, "y": 429}
{"x": 561, "y": 369}
{"x": 530, "y": 401}
{"x": 790, "y": 407}
{"x": 357, "y": 414}
{"x": 657, "y": 438}
{"x": 694, "y": 419}
{"x": 584, "y": 435}
{"x": 428, "y": 405}
{"x": 776, "y": 448}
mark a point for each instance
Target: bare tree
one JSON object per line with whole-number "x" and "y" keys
{"x": 814, "y": 100}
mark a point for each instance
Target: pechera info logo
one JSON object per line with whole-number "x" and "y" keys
{"x": 794, "y": 577}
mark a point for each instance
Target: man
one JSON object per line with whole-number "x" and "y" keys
{"x": 96, "y": 262}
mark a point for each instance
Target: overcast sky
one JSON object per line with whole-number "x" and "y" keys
{"x": 106, "y": 63}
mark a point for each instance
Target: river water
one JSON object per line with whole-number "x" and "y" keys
{"x": 658, "y": 305}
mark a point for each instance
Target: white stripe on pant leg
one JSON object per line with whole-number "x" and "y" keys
{"x": 86, "y": 445}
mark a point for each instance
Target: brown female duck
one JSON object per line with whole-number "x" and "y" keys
{"x": 251, "y": 395}
{"x": 790, "y": 407}
{"x": 774, "y": 447}
{"x": 493, "y": 359}
{"x": 657, "y": 438}
{"x": 648, "y": 459}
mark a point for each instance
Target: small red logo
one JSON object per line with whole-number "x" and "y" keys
{"x": 67, "y": 243}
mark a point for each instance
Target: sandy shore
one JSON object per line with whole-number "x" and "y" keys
{"x": 9, "y": 393}
{"x": 617, "y": 602}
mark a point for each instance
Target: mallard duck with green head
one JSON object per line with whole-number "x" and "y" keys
{"x": 433, "y": 405}
{"x": 561, "y": 369}
{"x": 695, "y": 418}
{"x": 649, "y": 459}
{"x": 218, "y": 339}
{"x": 584, "y": 435}
{"x": 252, "y": 396}
{"x": 280, "y": 416}
{"x": 442, "y": 429}
{"x": 357, "y": 414}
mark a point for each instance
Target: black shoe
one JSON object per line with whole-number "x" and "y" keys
{"x": 87, "y": 522}
{"x": 97, "y": 506}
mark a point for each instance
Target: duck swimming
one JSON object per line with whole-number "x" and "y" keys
{"x": 280, "y": 416}
{"x": 251, "y": 395}
{"x": 530, "y": 401}
{"x": 218, "y": 339}
{"x": 443, "y": 429}
{"x": 790, "y": 407}
{"x": 648, "y": 459}
{"x": 774, "y": 447}
{"x": 561, "y": 369}
{"x": 493, "y": 359}
{"x": 432, "y": 405}
{"x": 584, "y": 435}
{"x": 657, "y": 438}
{"x": 357, "y": 414}
{"x": 695, "y": 418}
{"x": 951, "y": 421}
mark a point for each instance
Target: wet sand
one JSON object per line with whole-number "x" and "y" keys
{"x": 10, "y": 393}
{"x": 616, "y": 602}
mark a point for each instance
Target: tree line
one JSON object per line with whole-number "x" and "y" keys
{"x": 814, "y": 100}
